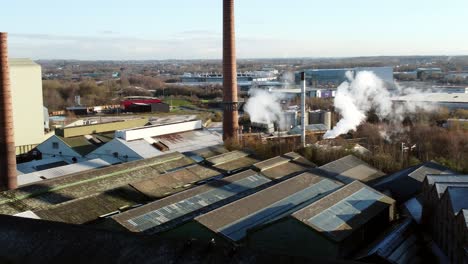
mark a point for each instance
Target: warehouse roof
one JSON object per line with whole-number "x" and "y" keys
{"x": 174, "y": 181}
{"x": 234, "y": 219}
{"x": 64, "y": 170}
{"x": 206, "y": 152}
{"x": 340, "y": 213}
{"x": 406, "y": 183}
{"x": 89, "y": 208}
{"x": 283, "y": 166}
{"x": 350, "y": 168}
{"x": 191, "y": 140}
{"x": 458, "y": 198}
{"x": 434, "y": 98}
{"x": 399, "y": 244}
{"x": 452, "y": 178}
{"x": 53, "y": 191}
{"x": 178, "y": 208}
{"x": 233, "y": 161}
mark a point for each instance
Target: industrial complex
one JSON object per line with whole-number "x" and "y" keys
{"x": 146, "y": 180}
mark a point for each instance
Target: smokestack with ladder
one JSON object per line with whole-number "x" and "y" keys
{"x": 7, "y": 142}
{"x": 230, "y": 103}
{"x": 303, "y": 111}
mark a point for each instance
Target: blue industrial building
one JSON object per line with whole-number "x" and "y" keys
{"x": 334, "y": 77}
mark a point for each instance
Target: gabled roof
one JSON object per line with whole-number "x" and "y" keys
{"x": 89, "y": 208}
{"x": 64, "y": 170}
{"x": 283, "y": 166}
{"x": 350, "y": 168}
{"x": 181, "y": 207}
{"x": 190, "y": 140}
{"x": 232, "y": 161}
{"x": 233, "y": 220}
{"x": 398, "y": 244}
{"x": 458, "y": 197}
{"x": 340, "y": 213}
{"x": 407, "y": 183}
{"x": 49, "y": 192}
{"x": 174, "y": 181}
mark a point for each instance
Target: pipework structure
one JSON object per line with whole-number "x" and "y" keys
{"x": 230, "y": 100}
{"x": 8, "y": 175}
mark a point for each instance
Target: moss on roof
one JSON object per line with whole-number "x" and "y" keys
{"x": 79, "y": 144}
{"x": 46, "y": 193}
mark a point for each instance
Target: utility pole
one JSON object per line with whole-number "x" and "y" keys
{"x": 303, "y": 116}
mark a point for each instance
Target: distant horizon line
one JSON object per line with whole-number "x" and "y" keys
{"x": 259, "y": 58}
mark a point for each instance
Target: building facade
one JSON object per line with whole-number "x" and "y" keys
{"x": 26, "y": 92}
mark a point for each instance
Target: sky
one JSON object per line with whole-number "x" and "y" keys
{"x": 192, "y": 29}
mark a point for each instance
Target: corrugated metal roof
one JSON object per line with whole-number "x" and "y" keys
{"x": 341, "y": 212}
{"x": 350, "y": 168}
{"x": 87, "y": 209}
{"x": 31, "y": 166}
{"x": 191, "y": 140}
{"x": 283, "y": 166}
{"x": 142, "y": 148}
{"x": 451, "y": 178}
{"x": 175, "y": 181}
{"x": 415, "y": 209}
{"x": 62, "y": 171}
{"x": 458, "y": 198}
{"x": 233, "y": 220}
{"x": 61, "y": 189}
{"x": 442, "y": 186}
{"x": 189, "y": 205}
{"x": 200, "y": 155}
{"x": 227, "y": 157}
{"x": 399, "y": 244}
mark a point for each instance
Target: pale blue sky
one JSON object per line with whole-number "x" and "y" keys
{"x": 191, "y": 29}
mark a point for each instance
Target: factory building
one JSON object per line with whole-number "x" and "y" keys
{"x": 26, "y": 93}
{"x": 452, "y": 101}
{"x": 350, "y": 168}
{"x": 232, "y": 162}
{"x": 445, "y": 214}
{"x": 230, "y": 223}
{"x": 174, "y": 211}
{"x": 335, "y": 226}
{"x": 334, "y": 77}
{"x": 407, "y": 183}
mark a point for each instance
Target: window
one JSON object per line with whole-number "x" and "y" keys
{"x": 55, "y": 145}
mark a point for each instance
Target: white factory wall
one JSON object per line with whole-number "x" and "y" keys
{"x": 106, "y": 151}
{"x": 158, "y": 130}
{"x": 61, "y": 150}
{"x": 26, "y": 92}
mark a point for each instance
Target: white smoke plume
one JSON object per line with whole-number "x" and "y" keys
{"x": 366, "y": 91}
{"x": 264, "y": 107}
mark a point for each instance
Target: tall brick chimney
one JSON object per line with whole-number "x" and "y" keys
{"x": 230, "y": 101}
{"x": 7, "y": 142}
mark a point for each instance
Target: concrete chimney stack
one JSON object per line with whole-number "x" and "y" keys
{"x": 230, "y": 101}
{"x": 7, "y": 142}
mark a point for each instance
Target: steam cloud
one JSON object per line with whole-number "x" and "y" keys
{"x": 264, "y": 107}
{"x": 366, "y": 91}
